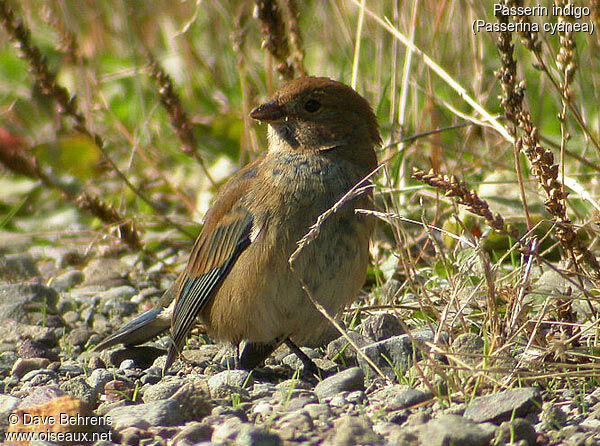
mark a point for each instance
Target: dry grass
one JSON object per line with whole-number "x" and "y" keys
{"x": 508, "y": 124}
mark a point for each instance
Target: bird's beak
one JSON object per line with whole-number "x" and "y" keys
{"x": 269, "y": 111}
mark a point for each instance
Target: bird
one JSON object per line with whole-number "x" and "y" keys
{"x": 322, "y": 139}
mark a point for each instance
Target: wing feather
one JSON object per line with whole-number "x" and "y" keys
{"x": 215, "y": 251}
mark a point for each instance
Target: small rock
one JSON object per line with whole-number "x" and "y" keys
{"x": 19, "y": 266}
{"x": 78, "y": 336}
{"x": 202, "y": 355}
{"x": 504, "y": 405}
{"x": 163, "y": 390}
{"x": 127, "y": 364}
{"x": 67, "y": 280}
{"x": 227, "y": 431}
{"x": 142, "y": 416}
{"x": 516, "y": 430}
{"x": 453, "y": 429}
{"x": 553, "y": 416}
{"x": 117, "y": 390}
{"x": 250, "y": 435}
{"x": 24, "y": 366}
{"x": 340, "y": 349}
{"x": 295, "y": 363}
{"x": 7, "y": 361}
{"x": 18, "y": 300}
{"x": 13, "y": 331}
{"x": 318, "y": 411}
{"x": 347, "y": 380}
{"x": 119, "y": 293}
{"x": 194, "y": 399}
{"x": 33, "y": 349}
{"x": 105, "y": 272}
{"x": 78, "y": 388}
{"x": 381, "y": 326}
{"x": 192, "y": 433}
{"x": 70, "y": 369}
{"x": 98, "y": 379}
{"x": 469, "y": 346}
{"x": 399, "y": 350}
{"x": 40, "y": 396}
{"x": 398, "y": 397}
{"x": 8, "y": 403}
{"x": 233, "y": 378}
{"x": 294, "y": 425}
{"x": 350, "y": 430}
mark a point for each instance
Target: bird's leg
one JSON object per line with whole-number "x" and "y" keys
{"x": 236, "y": 361}
{"x": 309, "y": 366}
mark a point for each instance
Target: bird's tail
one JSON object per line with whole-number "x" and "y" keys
{"x": 141, "y": 329}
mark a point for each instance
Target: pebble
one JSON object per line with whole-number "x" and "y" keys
{"x": 504, "y": 405}
{"x": 346, "y": 380}
{"x": 142, "y": 416}
{"x": 232, "y": 378}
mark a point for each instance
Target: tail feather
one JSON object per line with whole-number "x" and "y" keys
{"x": 141, "y": 329}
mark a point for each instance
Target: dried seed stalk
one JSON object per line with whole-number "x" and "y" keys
{"x": 274, "y": 34}
{"x": 528, "y": 142}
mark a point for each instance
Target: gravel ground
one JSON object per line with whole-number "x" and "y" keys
{"x": 55, "y": 303}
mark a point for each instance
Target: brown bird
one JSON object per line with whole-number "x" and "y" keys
{"x": 322, "y": 137}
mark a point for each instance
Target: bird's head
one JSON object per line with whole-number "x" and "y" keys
{"x": 318, "y": 114}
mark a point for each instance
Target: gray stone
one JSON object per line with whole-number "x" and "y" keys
{"x": 504, "y": 405}
{"x": 40, "y": 395}
{"x": 67, "y": 280}
{"x": 453, "y": 429}
{"x": 162, "y": 390}
{"x": 18, "y": 267}
{"x": 398, "y": 397}
{"x": 142, "y": 416}
{"x": 70, "y": 369}
{"x": 227, "y": 431}
{"x": 78, "y": 336}
{"x": 381, "y": 326}
{"x": 294, "y": 362}
{"x": 294, "y": 425}
{"x": 8, "y": 403}
{"x": 299, "y": 401}
{"x": 23, "y": 366}
{"x": 192, "y": 433}
{"x": 98, "y": 379}
{"x": 346, "y": 380}
{"x": 394, "y": 356}
{"x": 13, "y": 331}
{"x": 253, "y": 436}
{"x": 80, "y": 389}
{"x": 553, "y": 416}
{"x": 28, "y": 348}
{"x": 469, "y": 347}
{"x": 350, "y": 431}
{"x": 341, "y": 351}
{"x": 318, "y": 411}
{"x": 233, "y": 378}
{"x": 18, "y": 300}
{"x": 7, "y": 361}
{"x": 516, "y": 430}
{"x": 105, "y": 272}
{"x": 42, "y": 375}
{"x": 123, "y": 292}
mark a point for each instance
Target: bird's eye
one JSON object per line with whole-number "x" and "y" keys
{"x": 312, "y": 105}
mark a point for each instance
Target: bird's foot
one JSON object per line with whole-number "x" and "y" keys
{"x": 310, "y": 368}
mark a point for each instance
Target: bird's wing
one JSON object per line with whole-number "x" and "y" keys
{"x": 228, "y": 230}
